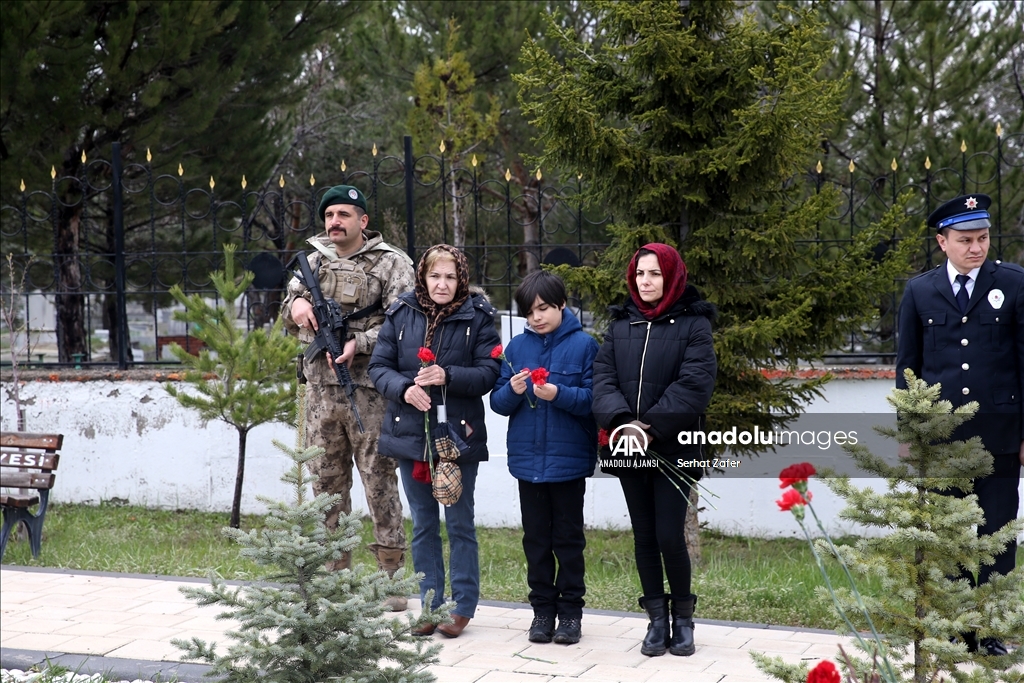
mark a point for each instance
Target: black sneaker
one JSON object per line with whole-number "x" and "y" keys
{"x": 993, "y": 647}
{"x": 542, "y": 629}
{"x": 568, "y": 631}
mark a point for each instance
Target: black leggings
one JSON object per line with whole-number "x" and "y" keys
{"x": 657, "y": 511}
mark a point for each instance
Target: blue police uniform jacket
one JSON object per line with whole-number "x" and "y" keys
{"x": 977, "y": 355}
{"x": 557, "y": 440}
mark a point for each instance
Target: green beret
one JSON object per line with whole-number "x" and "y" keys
{"x": 342, "y": 194}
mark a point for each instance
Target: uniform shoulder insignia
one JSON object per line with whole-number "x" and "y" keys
{"x": 1010, "y": 266}
{"x": 921, "y": 275}
{"x": 393, "y": 307}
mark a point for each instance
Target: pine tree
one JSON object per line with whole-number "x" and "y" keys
{"x": 450, "y": 116}
{"x": 193, "y": 81}
{"x": 244, "y": 378}
{"x": 690, "y": 123}
{"x": 921, "y": 78}
{"x": 929, "y": 536}
{"x": 306, "y": 623}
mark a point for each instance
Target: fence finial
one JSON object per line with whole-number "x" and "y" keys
{"x": 53, "y": 173}
{"x": 211, "y": 182}
{"x": 852, "y": 166}
{"x": 83, "y": 156}
{"x": 818, "y": 167}
{"x": 508, "y": 175}
{"x": 999, "y": 129}
{"x": 442, "y": 147}
{"x": 149, "y": 156}
{"x": 927, "y": 163}
{"x": 243, "y": 181}
{"x": 539, "y": 176}
{"x": 963, "y": 145}
{"x": 280, "y": 182}
{"x": 894, "y": 165}
{"x": 343, "y": 167}
{"x": 312, "y": 180}
{"x": 22, "y": 184}
{"x": 181, "y": 170}
{"x": 474, "y": 161}
{"x": 374, "y": 150}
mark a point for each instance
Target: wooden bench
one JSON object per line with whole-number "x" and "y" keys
{"x": 27, "y": 462}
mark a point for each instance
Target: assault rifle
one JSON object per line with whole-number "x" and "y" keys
{"x": 332, "y": 332}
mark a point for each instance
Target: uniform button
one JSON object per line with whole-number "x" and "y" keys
{"x": 398, "y": 419}
{"x": 966, "y": 391}
{"x": 462, "y": 422}
{"x": 963, "y": 319}
{"x": 964, "y": 342}
{"x": 965, "y": 366}
{"x": 997, "y": 318}
{"x": 930, "y": 321}
{"x": 672, "y": 320}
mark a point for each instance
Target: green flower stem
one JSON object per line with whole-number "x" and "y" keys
{"x": 693, "y": 483}
{"x": 889, "y": 674}
{"x": 426, "y": 437}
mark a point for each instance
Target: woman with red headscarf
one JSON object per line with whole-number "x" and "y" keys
{"x": 653, "y": 379}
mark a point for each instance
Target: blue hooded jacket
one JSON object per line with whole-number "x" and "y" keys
{"x": 557, "y": 440}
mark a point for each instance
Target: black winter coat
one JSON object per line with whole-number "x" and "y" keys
{"x": 462, "y": 344}
{"x": 661, "y": 372}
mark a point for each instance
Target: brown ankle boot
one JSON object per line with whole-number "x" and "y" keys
{"x": 339, "y": 565}
{"x": 390, "y": 560}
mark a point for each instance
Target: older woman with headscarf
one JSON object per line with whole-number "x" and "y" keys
{"x": 653, "y": 378}
{"x": 433, "y": 357}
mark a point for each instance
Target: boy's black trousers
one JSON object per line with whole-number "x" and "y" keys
{"x": 553, "y": 530}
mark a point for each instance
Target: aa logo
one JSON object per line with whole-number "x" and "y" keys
{"x": 631, "y": 443}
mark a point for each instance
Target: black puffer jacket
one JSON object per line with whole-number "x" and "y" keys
{"x": 462, "y": 344}
{"x": 661, "y": 372}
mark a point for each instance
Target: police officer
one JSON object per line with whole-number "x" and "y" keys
{"x": 364, "y": 275}
{"x": 962, "y": 324}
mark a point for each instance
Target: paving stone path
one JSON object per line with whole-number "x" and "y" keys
{"x": 122, "y": 625}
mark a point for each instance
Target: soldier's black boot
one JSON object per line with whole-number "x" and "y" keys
{"x": 657, "y": 638}
{"x": 681, "y": 643}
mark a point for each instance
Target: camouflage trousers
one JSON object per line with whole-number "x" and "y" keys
{"x": 331, "y": 425}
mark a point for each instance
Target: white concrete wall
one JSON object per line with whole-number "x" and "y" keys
{"x": 130, "y": 440}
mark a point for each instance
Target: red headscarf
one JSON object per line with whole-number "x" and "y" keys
{"x": 673, "y": 270}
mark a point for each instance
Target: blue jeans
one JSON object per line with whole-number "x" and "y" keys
{"x": 427, "y": 553}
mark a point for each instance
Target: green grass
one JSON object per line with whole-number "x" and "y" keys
{"x": 741, "y": 579}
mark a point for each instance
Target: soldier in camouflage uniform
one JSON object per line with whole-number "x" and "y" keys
{"x": 357, "y": 269}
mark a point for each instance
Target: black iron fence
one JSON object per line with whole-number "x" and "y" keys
{"x": 94, "y": 256}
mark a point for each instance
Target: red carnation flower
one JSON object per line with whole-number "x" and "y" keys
{"x": 795, "y": 474}
{"x": 498, "y": 353}
{"x": 602, "y": 437}
{"x": 539, "y": 377}
{"x": 825, "y": 672}
{"x": 792, "y": 498}
{"x": 425, "y": 355}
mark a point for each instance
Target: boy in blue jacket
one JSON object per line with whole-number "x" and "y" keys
{"x": 552, "y": 449}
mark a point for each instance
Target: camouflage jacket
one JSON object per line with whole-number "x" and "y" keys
{"x": 377, "y": 272}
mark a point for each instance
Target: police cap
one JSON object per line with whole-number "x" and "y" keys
{"x": 969, "y": 212}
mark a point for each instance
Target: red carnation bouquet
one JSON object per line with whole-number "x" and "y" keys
{"x": 426, "y": 356}
{"x": 424, "y": 471}
{"x": 539, "y": 377}
{"x": 796, "y": 499}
